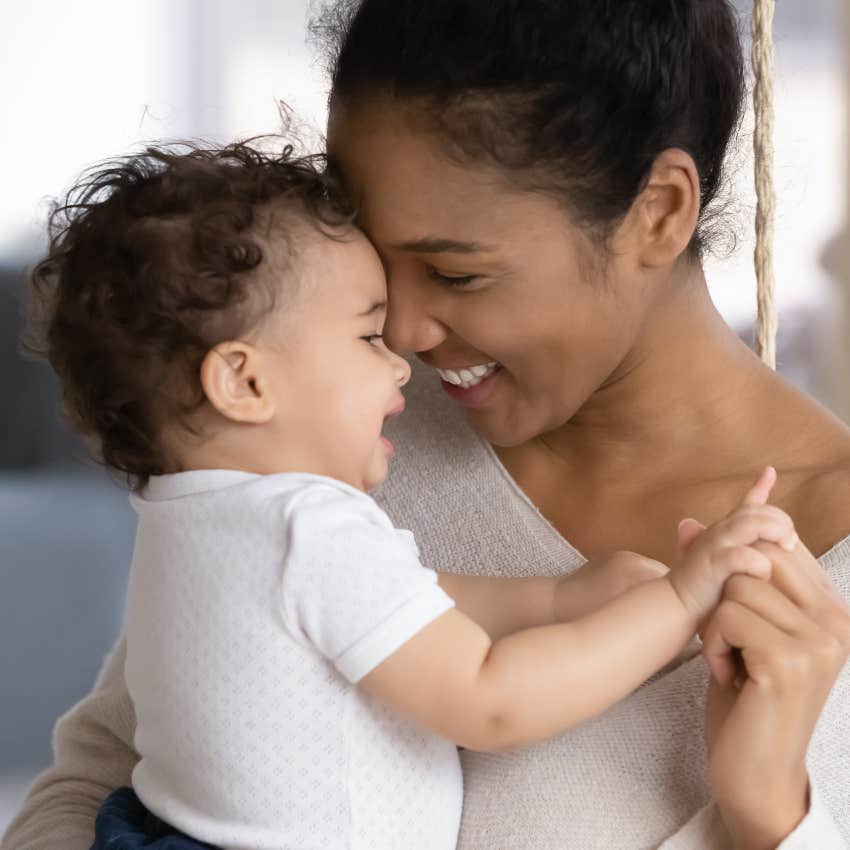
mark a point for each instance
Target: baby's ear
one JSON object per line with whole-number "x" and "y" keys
{"x": 234, "y": 383}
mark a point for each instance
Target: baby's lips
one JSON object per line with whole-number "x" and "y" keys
{"x": 396, "y": 411}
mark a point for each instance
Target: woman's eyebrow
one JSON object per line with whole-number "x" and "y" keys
{"x": 438, "y": 245}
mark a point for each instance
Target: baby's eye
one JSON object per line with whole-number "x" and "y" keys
{"x": 451, "y": 280}
{"x": 370, "y": 338}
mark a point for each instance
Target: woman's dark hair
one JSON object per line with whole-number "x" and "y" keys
{"x": 150, "y": 265}
{"x": 578, "y": 97}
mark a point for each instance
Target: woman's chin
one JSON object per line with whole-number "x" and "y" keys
{"x": 498, "y": 429}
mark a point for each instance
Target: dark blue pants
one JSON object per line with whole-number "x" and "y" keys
{"x": 123, "y": 823}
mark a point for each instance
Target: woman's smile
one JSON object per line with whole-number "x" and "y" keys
{"x": 468, "y": 376}
{"x": 469, "y": 389}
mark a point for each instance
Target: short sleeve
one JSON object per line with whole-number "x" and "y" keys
{"x": 353, "y": 586}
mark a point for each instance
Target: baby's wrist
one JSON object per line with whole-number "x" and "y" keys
{"x": 687, "y": 602}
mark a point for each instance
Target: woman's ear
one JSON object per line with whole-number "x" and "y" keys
{"x": 668, "y": 209}
{"x": 235, "y": 385}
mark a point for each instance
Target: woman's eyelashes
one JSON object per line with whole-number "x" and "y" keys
{"x": 370, "y": 338}
{"x": 451, "y": 280}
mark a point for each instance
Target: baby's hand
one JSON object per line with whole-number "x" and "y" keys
{"x": 600, "y": 580}
{"x": 724, "y": 548}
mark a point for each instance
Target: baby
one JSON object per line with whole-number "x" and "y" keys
{"x": 299, "y": 678}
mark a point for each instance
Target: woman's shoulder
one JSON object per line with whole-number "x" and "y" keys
{"x": 812, "y": 450}
{"x": 820, "y": 506}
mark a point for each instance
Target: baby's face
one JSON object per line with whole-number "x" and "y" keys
{"x": 336, "y": 380}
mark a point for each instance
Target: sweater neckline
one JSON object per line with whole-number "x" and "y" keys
{"x": 838, "y": 553}
{"x": 519, "y": 493}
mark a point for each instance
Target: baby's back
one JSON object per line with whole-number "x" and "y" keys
{"x": 249, "y": 735}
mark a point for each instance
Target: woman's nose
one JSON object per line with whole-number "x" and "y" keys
{"x": 409, "y": 325}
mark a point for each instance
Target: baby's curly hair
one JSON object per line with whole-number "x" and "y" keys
{"x": 150, "y": 265}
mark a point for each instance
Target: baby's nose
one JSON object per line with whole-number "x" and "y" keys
{"x": 401, "y": 368}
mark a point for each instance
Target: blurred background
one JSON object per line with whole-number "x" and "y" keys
{"x": 83, "y": 81}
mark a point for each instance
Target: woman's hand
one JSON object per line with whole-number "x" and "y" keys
{"x": 774, "y": 649}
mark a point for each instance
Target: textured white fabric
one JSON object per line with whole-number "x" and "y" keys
{"x": 705, "y": 830}
{"x": 818, "y": 829}
{"x": 254, "y": 604}
{"x": 629, "y": 780}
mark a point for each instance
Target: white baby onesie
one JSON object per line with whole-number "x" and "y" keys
{"x": 255, "y": 604}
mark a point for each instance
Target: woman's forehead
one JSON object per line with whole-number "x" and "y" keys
{"x": 407, "y": 188}
{"x": 377, "y": 151}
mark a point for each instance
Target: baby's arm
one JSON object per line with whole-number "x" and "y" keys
{"x": 502, "y": 606}
{"x": 453, "y": 679}
{"x": 486, "y": 695}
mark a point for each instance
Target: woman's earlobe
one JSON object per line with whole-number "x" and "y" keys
{"x": 233, "y": 382}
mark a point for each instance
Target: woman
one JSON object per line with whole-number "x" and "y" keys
{"x": 538, "y": 180}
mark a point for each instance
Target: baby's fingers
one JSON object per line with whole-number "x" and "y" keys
{"x": 752, "y": 523}
{"x": 746, "y": 560}
{"x": 758, "y": 494}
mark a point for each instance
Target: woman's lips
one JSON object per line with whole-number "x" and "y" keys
{"x": 476, "y": 396}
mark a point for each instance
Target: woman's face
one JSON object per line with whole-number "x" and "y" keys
{"x": 482, "y": 272}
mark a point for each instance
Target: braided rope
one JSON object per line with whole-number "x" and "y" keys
{"x": 762, "y": 59}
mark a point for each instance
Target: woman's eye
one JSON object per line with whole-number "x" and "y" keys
{"x": 370, "y": 338}
{"x": 451, "y": 280}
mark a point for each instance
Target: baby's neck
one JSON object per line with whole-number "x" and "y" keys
{"x": 259, "y": 449}
{"x": 245, "y": 448}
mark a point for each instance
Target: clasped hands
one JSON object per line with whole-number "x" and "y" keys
{"x": 775, "y": 638}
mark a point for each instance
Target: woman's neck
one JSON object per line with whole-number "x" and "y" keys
{"x": 681, "y": 428}
{"x": 690, "y": 398}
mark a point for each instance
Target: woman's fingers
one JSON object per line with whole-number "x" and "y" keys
{"x": 770, "y": 603}
{"x": 781, "y": 644}
{"x": 798, "y": 575}
{"x": 734, "y": 626}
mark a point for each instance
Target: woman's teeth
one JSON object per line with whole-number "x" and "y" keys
{"x": 470, "y": 376}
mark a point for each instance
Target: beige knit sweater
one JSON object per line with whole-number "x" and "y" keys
{"x": 633, "y": 778}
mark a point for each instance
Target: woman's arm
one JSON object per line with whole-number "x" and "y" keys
{"x": 93, "y": 754}
{"x": 765, "y": 699}
{"x": 792, "y": 639}
{"x": 819, "y": 830}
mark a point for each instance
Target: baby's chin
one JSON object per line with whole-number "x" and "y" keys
{"x": 373, "y": 483}
{"x": 375, "y": 478}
